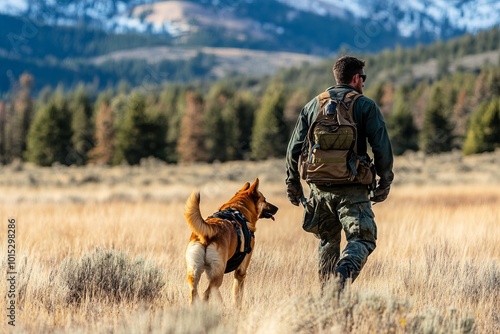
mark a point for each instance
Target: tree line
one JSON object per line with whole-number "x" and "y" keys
{"x": 186, "y": 124}
{"x": 457, "y": 112}
{"x": 175, "y": 124}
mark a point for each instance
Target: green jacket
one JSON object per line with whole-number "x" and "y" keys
{"x": 371, "y": 127}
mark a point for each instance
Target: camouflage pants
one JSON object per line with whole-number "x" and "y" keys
{"x": 327, "y": 213}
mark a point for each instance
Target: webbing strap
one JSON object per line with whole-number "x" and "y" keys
{"x": 329, "y": 160}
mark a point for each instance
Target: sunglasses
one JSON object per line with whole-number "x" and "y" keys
{"x": 363, "y": 76}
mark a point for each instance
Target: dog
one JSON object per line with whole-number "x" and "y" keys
{"x": 218, "y": 239}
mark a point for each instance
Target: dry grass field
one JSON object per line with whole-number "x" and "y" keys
{"x": 435, "y": 270}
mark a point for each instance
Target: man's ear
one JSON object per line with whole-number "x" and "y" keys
{"x": 354, "y": 80}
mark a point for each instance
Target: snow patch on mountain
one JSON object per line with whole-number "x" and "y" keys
{"x": 411, "y": 16}
{"x": 13, "y": 7}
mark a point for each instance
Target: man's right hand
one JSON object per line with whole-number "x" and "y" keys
{"x": 294, "y": 192}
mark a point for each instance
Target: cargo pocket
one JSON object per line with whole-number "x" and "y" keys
{"x": 365, "y": 174}
{"x": 367, "y": 226}
{"x": 310, "y": 221}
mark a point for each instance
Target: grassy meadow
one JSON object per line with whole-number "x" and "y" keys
{"x": 436, "y": 268}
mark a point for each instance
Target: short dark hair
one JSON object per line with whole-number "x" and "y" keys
{"x": 345, "y": 68}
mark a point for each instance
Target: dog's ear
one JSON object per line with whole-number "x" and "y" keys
{"x": 245, "y": 187}
{"x": 254, "y": 186}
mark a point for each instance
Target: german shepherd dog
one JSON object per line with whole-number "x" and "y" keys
{"x": 215, "y": 240}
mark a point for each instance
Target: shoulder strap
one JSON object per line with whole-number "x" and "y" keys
{"x": 349, "y": 100}
{"x": 323, "y": 99}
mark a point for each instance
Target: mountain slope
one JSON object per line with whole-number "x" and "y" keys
{"x": 312, "y": 26}
{"x": 108, "y": 41}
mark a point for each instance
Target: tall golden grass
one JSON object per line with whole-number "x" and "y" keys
{"x": 435, "y": 269}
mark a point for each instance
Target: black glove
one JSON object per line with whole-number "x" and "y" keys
{"x": 380, "y": 193}
{"x": 294, "y": 192}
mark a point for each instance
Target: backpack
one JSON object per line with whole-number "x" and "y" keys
{"x": 329, "y": 154}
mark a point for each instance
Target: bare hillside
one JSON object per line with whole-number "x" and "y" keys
{"x": 228, "y": 60}
{"x": 429, "y": 69}
{"x": 181, "y": 15}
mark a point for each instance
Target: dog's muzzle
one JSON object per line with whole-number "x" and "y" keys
{"x": 269, "y": 211}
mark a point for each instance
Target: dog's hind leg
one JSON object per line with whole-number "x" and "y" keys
{"x": 213, "y": 287}
{"x": 216, "y": 265}
{"x": 195, "y": 260}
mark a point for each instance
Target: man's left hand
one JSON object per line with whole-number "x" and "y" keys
{"x": 294, "y": 192}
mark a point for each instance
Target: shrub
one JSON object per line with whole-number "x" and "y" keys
{"x": 366, "y": 312}
{"x": 112, "y": 276}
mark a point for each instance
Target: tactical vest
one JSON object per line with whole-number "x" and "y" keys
{"x": 329, "y": 154}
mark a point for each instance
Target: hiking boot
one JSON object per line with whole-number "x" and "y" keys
{"x": 342, "y": 274}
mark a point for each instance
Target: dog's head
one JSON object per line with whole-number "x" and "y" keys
{"x": 263, "y": 208}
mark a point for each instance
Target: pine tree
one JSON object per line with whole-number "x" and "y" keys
{"x": 81, "y": 125}
{"x": 15, "y": 120}
{"x": 402, "y": 130}
{"x": 270, "y": 135}
{"x": 238, "y": 118}
{"x": 104, "y": 149}
{"x": 481, "y": 89}
{"x": 386, "y": 98}
{"x": 49, "y": 136}
{"x": 437, "y": 131}
{"x": 214, "y": 123}
{"x": 23, "y": 108}
{"x": 190, "y": 146}
{"x": 293, "y": 106}
{"x": 140, "y": 135}
{"x": 460, "y": 113}
{"x": 172, "y": 104}
{"x": 376, "y": 93}
{"x": 2, "y": 132}
{"x": 484, "y": 132}
{"x": 6, "y": 125}
{"x": 491, "y": 125}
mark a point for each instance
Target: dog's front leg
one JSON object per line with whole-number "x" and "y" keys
{"x": 239, "y": 280}
{"x": 238, "y": 286}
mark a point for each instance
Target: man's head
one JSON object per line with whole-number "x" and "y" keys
{"x": 349, "y": 70}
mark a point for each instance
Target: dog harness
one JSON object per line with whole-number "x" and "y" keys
{"x": 240, "y": 224}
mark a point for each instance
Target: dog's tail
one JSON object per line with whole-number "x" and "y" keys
{"x": 194, "y": 219}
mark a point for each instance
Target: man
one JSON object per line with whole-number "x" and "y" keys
{"x": 334, "y": 207}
